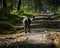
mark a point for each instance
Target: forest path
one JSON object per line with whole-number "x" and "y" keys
{"x": 38, "y": 35}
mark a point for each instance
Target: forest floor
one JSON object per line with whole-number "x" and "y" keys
{"x": 31, "y": 38}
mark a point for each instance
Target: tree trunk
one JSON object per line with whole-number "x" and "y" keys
{"x": 19, "y": 3}
{"x": 3, "y": 4}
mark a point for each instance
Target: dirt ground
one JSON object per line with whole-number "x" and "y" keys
{"x": 35, "y": 38}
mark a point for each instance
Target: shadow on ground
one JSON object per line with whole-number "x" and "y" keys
{"x": 24, "y": 45}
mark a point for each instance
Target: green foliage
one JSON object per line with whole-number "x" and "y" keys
{"x": 27, "y": 11}
{"x": 5, "y": 25}
{"x": 14, "y": 12}
{"x": 8, "y": 19}
{"x": 4, "y": 12}
{"x": 59, "y": 10}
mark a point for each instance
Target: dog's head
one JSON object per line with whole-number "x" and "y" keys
{"x": 32, "y": 17}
